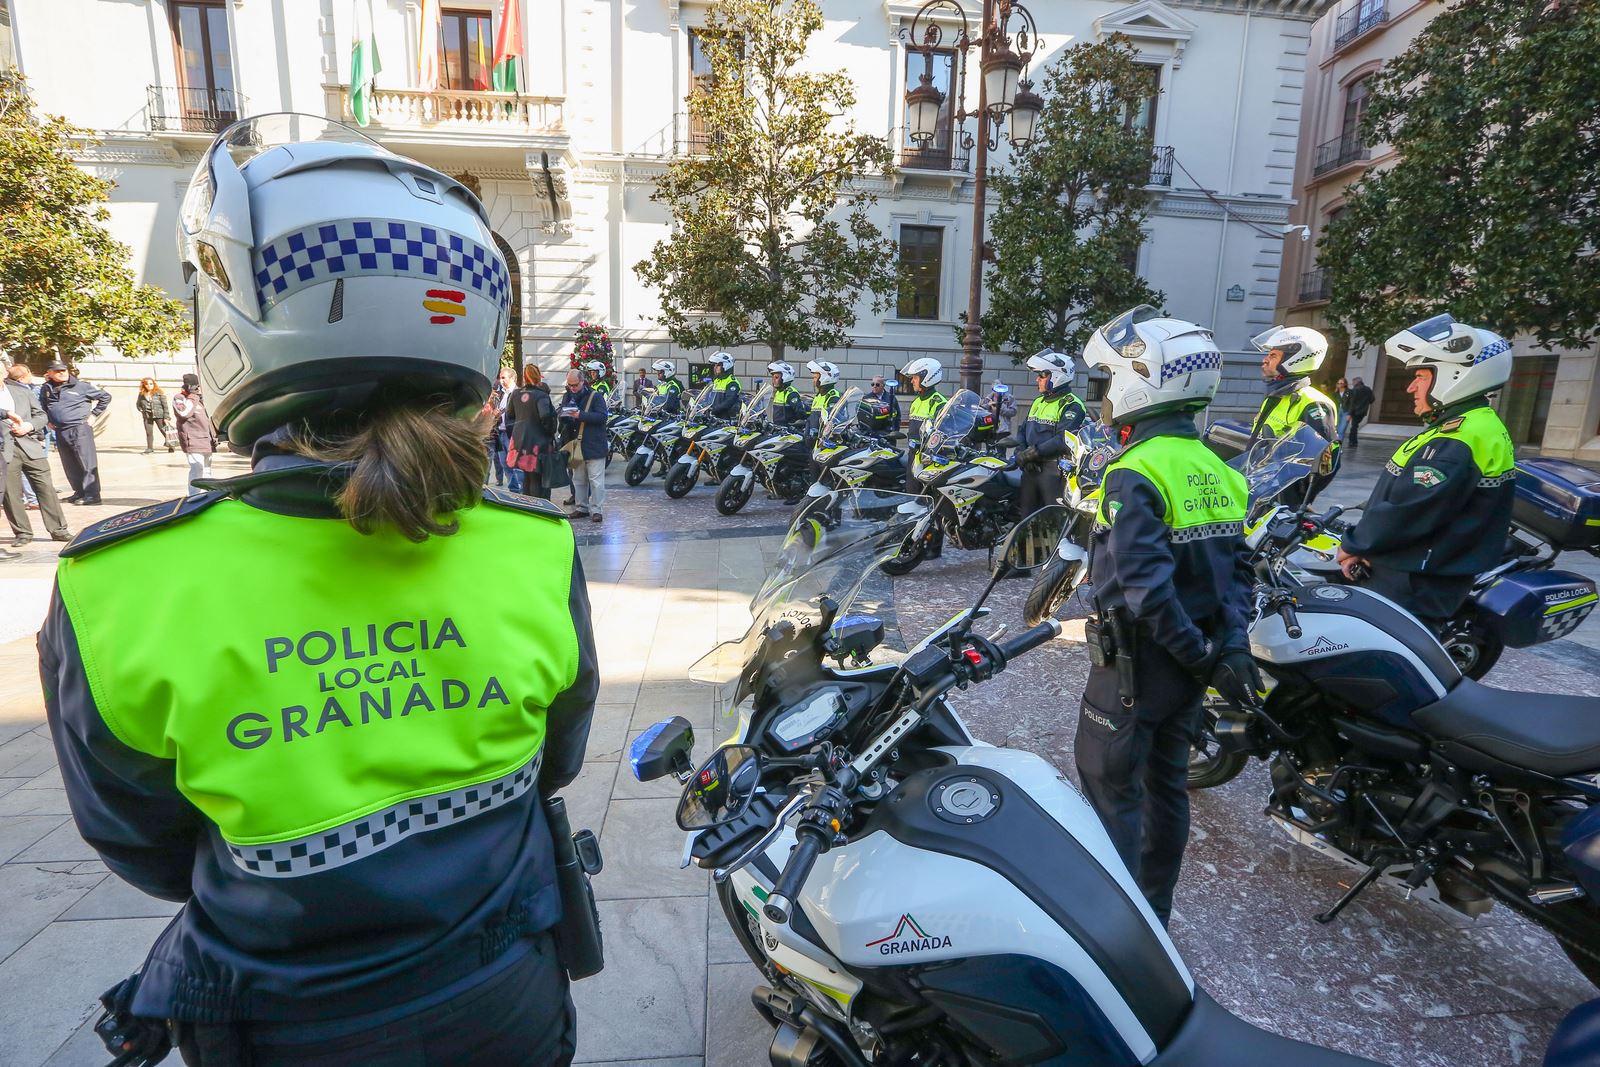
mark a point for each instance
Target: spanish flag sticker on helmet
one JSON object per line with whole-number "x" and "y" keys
{"x": 446, "y": 305}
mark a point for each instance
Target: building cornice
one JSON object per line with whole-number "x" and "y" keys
{"x": 1296, "y": 10}
{"x": 110, "y": 147}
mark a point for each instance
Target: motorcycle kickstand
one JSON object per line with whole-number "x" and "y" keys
{"x": 1373, "y": 873}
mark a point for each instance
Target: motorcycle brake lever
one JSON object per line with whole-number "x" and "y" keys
{"x": 785, "y": 813}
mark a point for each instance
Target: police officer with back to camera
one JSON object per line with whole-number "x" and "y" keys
{"x": 789, "y": 407}
{"x": 1042, "y": 439}
{"x": 825, "y": 385}
{"x": 724, "y": 388}
{"x": 1440, "y": 512}
{"x": 1289, "y": 356}
{"x": 669, "y": 391}
{"x": 340, "y": 773}
{"x": 1168, "y": 564}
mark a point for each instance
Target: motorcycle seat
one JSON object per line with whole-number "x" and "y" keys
{"x": 1552, "y": 734}
{"x": 1012, "y": 477}
{"x": 1211, "y": 1036}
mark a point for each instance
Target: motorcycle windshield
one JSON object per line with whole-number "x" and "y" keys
{"x": 832, "y": 551}
{"x": 700, "y": 406}
{"x": 1096, "y": 447}
{"x": 1274, "y": 464}
{"x": 841, "y": 416}
{"x": 758, "y": 407}
{"x": 954, "y": 421}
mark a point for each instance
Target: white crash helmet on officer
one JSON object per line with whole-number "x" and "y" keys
{"x": 783, "y": 370}
{"x": 327, "y": 269}
{"x": 1467, "y": 361}
{"x": 1157, "y": 364}
{"x": 1049, "y": 361}
{"x": 1303, "y": 349}
{"x": 827, "y": 374}
{"x": 932, "y": 374}
{"x": 666, "y": 368}
{"x": 722, "y": 361}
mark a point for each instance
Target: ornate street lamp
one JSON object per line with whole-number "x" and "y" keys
{"x": 1003, "y": 57}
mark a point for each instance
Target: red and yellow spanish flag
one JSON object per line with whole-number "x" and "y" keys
{"x": 508, "y": 48}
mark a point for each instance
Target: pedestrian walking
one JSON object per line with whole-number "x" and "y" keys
{"x": 157, "y": 415}
{"x": 1341, "y": 397}
{"x": 494, "y": 410}
{"x": 1360, "y": 403}
{"x": 533, "y": 429}
{"x": 69, "y": 403}
{"x": 196, "y": 436}
{"x": 29, "y": 465}
{"x": 583, "y": 436}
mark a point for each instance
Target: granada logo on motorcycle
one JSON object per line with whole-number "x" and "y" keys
{"x": 908, "y": 937}
{"x": 1323, "y": 646}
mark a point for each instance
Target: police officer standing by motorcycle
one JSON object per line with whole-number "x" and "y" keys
{"x": 596, "y": 373}
{"x": 1171, "y": 582}
{"x": 724, "y": 388}
{"x": 1054, "y": 414}
{"x": 1441, "y": 510}
{"x": 340, "y": 773}
{"x": 1289, "y": 356}
{"x": 825, "y": 383}
{"x": 669, "y": 391}
{"x": 788, "y": 406}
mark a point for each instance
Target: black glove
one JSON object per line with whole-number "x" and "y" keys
{"x": 1028, "y": 457}
{"x": 1235, "y": 677}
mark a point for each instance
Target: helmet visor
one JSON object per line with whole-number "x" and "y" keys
{"x": 1119, "y": 332}
{"x": 1434, "y": 330}
{"x": 1262, "y": 339}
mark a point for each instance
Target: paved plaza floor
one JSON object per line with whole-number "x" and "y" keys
{"x": 667, "y": 579}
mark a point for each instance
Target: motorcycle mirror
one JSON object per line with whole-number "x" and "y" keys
{"x": 663, "y": 749}
{"x": 1033, "y": 541}
{"x": 721, "y": 789}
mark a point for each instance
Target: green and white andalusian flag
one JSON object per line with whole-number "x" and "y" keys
{"x": 364, "y": 65}
{"x": 508, "y": 49}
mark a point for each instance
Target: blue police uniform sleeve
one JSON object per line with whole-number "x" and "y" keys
{"x": 1055, "y": 444}
{"x": 1320, "y": 419}
{"x": 101, "y": 398}
{"x": 1140, "y": 553}
{"x": 1237, "y": 603}
{"x": 726, "y": 403}
{"x": 126, "y": 804}
{"x": 567, "y": 719}
{"x": 1419, "y": 502}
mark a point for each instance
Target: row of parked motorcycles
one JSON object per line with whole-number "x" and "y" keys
{"x": 912, "y": 895}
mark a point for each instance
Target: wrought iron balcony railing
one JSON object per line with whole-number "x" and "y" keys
{"x": 1313, "y": 285}
{"x": 1331, "y": 155}
{"x": 1358, "y": 20}
{"x": 1161, "y": 166}
{"x": 938, "y": 154}
{"x": 175, "y": 109}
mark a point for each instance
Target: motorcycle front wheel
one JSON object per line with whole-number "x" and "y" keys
{"x": 679, "y": 482}
{"x": 1209, "y": 766}
{"x": 905, "y": 561}
{"x": 636, "y": 471}
{"x": 1050, "y": 590}
{"x": 733, "y": 494}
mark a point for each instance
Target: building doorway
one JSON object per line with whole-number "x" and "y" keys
{"x": 514, "y": 322}
{"x": 1525, "y": 402}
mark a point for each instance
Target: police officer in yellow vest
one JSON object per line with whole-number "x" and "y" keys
{"x": 595, "y": 371}
{"x": 923, "y": 375}
{"x": 788, "y": 405}
{"x": 825, "y": 383}
{"x": 1042, "y": 440}
{"x": 1289, "y": 356}
{"x": 724, "y": 388}
{"x": 1441, "y": 510}
{"x": 324, "y": 739}
{"x": 1172, "y": 584}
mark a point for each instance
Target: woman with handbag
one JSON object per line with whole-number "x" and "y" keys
{"x": 533, "y": 427}
{"x": 152, "y": 405}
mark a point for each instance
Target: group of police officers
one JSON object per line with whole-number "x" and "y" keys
{"x": 367, "y": 877}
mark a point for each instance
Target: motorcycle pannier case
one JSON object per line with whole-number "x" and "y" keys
{"x": 1560, "y": 501}
{"x": 1537, "y": 606}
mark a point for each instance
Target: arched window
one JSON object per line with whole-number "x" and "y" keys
{"x": 514, "y": 324}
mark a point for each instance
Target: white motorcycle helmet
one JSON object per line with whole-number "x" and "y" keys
{"x": 827, "y": 373}
{"x": 783, "y": 370}
{"x": 1156, "y": 364}
{"x": 327, "y": 268}
{"x": 1466, "y": 361}
{"x": 1048, "y": 361}
{"x": 666, "y": 368}
{"x": 595, "y": 367}
{"x": 1303, "y": 348}
{"x": 722, "y": 361}
{"x": 929, "y": 368}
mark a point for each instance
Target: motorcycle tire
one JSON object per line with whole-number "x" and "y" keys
{"x": 1050, "y": 590}
{"x": 679, "y": 482}
{"x": 905, "y": 561}
{"x": 733, "y": 494}
{"x": 636, "y": 471}
{"x": 1209, "y": 766}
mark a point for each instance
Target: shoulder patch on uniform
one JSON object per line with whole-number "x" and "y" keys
{"x": 518, "y": 502}
{"x": 1453, "y": 425}
{"x": 1428, "y": 477}
{"x": 139, "y": 520}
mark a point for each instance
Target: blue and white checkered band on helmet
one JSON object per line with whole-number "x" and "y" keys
{"x": 1188, "y": 364}
{"x": 1492, "y": 349}
{"x": 376, "y": 248}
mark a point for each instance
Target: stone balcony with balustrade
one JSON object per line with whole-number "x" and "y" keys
{"x": 477, "y": 123}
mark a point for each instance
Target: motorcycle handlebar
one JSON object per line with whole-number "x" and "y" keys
{"x": 808, "y": 846}
{"x": 1029, "y": 639}
{"x": 1291, "y": 621}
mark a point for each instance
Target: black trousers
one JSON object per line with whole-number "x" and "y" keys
{"x": 1040, "y": 487}
{"x": 522, "y": 1017}
{"x": 79, "y": 460}
{"x": 1133, "y": 763}
{"x": 37, "y": 471}
{"x": 1431, "y": 598}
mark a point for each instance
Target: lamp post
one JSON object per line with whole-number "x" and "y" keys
{"x": 1003, "y": 91}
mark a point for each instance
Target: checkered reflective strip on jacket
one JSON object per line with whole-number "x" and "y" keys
{"x": 362, "y": 837}
{"x": 1498, "y": 479}
{"x": 380, "y": 248}
{"x": 1210, "y": 529}
{"x": 1189, "y": 364}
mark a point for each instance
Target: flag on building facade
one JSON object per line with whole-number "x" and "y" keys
{"x": 428, "y": 33}
{"x": 508, "y": 48}
{"x": 481, "y": 79}
{"x": 364, "y": 64}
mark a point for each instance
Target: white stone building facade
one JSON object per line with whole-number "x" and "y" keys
{"x": 567, "y": 168}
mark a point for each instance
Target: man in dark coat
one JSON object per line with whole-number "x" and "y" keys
{"x": 1359, "y": 401}
{"x": 583, "y": 419}
{"x": 70, "y": 404}
{"x": 30, "y": 461}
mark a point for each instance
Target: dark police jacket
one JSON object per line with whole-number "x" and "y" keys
{"x": 789, "y": 406}
{"x": 341, "y": 781}
{"x": 1443, "y": 502}
{"x": 72, "y": 402}
{"x": 1168, "y": 546}
{"x": 1051, "y": 417}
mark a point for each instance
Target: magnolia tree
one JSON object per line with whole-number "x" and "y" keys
{"x": 771, "y": 244}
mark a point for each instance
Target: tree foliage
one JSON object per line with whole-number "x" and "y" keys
{"x": 1492, "y": 210}
{"x": 771, "y": 243}
{"x": 1067, "y": 224}
{"x": 65, "y": 285}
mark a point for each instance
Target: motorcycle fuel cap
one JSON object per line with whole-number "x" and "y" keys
{"x": 964, "y": 800}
